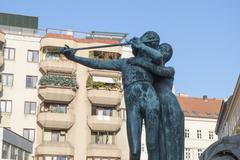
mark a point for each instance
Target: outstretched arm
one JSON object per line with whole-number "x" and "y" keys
{"x": 153, "y": 68}
{"x": 93, "y": 63}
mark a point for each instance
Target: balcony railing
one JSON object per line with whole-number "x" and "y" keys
{"x": 55, "y": 120}
{"x": 58, "y": 66}
{"x": 103, "y": 150}
{"x": 50, "y": 148}
{"x": 104, "y": 123}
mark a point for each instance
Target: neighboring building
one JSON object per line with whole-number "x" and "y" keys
{"x": 20, "y": 72}
{"x": 200, "y": 121}
{"x": 14, "y": 146}
{"x": 228, "y": 123}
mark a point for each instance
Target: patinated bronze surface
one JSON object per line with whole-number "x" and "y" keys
{"x": 148, "y": 96}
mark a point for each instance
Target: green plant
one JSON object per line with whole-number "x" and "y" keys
{"x": 103, "y": 85}
{"x": 56, "y": 80}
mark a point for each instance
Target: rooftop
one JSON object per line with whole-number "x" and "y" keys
{"x": 81, "y": 40}
{"x": 200, "y": 107}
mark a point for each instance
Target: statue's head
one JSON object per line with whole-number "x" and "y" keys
{"x": 167, "y": 51}
{"x": 151, "y": 35}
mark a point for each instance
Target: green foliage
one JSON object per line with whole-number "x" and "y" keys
{"x": 56, "y": 80}
{"x": 102, "y": 85}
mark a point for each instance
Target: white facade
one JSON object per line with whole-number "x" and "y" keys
{"x": 199, "y": 134}
{"x": 17, "y": 94}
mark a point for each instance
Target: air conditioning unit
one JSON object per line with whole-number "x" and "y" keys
{"x": 62, "y": 133}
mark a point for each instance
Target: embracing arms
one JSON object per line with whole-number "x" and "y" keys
{"x": 93, "y": 63}
{"x": 153, "y": 68}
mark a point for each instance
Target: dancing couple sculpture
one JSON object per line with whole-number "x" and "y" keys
{"x": 147, "y": 84}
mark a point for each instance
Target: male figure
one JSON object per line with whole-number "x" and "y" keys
{"x": 140, "y": 97}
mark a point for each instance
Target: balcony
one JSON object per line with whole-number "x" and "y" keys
{"x": 103, "y": 96}
{"x": 50, "y": 148}
{"x": 58, "y": 89}
{"x": 104, "y": 123}
{"x": 56, "y": 94}
{"x": 103, "y": 150}
{"x": 55, "y": 120}
{"x": 59, "y": 66}
{"x": 57, "y": 40}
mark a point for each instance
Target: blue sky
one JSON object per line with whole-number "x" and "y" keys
{"x": 205, "y": 34}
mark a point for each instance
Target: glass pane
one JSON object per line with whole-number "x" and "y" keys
{"x": 9, "y": 80}
{"x": 27, "y": 107}
{"x": 33, "y": 108}
{"x": 5, "y": 53}
{"x": 30, "y": 56}
{"x": 6, "y": 151}
{"x": 20, "y": 154}
{"x": 26, "y": 133}
{"x": 31, "y": 135}
{"x": 36, "y": 56}
{"x": 9, "y": 106}
{"x": 4, "y": 79}
{"x": 11, "y": 54}
{"x": 54, "y": 137}
{"x": 3, "y": 106}
{"x": 14, "y": 152}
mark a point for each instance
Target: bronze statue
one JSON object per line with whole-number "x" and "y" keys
{"x": 171, "y": 116}
{"x": 141, "y": 99}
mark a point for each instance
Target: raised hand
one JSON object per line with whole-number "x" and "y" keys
{"x": 136, "y": 42}
{"x": 68, "y": 52}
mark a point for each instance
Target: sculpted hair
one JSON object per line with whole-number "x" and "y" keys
{"x": 167, "y": 51}
{"x": 151, "y": 35}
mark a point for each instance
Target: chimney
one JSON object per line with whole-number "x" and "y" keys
{"x": 205, "y": 98}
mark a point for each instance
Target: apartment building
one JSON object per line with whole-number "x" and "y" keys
{"x": 200, "y": 121}
{"x": 228, "y": 123}
{"x": 69, "y": 111}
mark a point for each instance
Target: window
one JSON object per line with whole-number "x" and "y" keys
{"x": 7, "y": 79}
{"x": 187, "y": 153}
{"x": 29, "y": 134}
{"x": 14, "y": 152}
{"x": 58, "y": 136}
{"x": 30, "y": 107}
{"x": 199, "y": 152}
{"x": 104, "y": 55}
{"x": 52, "y": 56}
{"x": 9, "y": 53}
{"x": 199, "y": 134}
{"x": 31, "y": 81}
{"x": 54, "y": 136}
{"x": 6, "y": 106}
{"x": 186, "y": 133}
{"x": 101, "y": 111}
{"x": 5, "y": 150}
{"x": 55, "y": 108}
{"x": 210, "y": 134}
{"x": 33, "y": 56}
{"x": 102, "y": 137}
